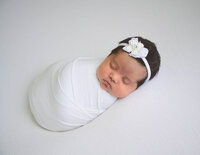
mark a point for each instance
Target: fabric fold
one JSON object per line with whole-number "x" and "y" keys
{"x": 67, "y": 95}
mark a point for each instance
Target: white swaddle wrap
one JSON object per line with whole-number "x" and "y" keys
{"x": 68, "y": 95}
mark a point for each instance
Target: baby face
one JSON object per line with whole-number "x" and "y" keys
{"x": 119, "y": 73}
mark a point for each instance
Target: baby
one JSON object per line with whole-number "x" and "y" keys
{"x": 68, "y": 95}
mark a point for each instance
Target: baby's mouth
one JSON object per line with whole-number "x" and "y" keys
{"x": 107, "y": 84}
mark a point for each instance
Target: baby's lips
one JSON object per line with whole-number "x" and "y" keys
{"x": 107, "y": 83}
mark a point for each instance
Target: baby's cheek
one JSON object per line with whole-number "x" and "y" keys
{"x": 99, "y": 72}
{"x": 122, "y": 92}
{"x": 104, "y": 72}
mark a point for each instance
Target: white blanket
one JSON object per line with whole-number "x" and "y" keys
{"x": 68, "y": 95}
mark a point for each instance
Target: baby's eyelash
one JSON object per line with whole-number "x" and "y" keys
{"x": 113, "y": 66}
{"x": 126, "y": 80}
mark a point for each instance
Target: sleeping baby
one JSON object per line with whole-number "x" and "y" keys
{"x": 70, "y": 94}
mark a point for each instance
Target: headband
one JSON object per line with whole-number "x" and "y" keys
{"x": 137, "y": 50}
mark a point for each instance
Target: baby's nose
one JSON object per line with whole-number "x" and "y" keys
{"x": 114, "y": 77}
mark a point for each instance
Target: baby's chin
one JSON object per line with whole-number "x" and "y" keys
{"x": 111, "y": 92}
{"x": 117, "y": 94}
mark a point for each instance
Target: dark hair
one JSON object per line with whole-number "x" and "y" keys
{"x": 153, "y": 56}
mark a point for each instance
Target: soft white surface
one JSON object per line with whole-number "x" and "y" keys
{"x": 160, "y": 118}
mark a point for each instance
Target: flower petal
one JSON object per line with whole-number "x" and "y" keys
{"x": 135, "y": 39}
{"x": 127, "y": 48}
{"x": 136, "y": 49}
{"x": 145, "y": 52}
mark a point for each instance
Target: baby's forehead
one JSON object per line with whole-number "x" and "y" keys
{"x": 129, "y": 66}
{"x": 126, "y": 63}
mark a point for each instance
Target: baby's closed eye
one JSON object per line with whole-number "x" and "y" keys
{"x": 114, "y": 65}
{"x": 126, "y": 80}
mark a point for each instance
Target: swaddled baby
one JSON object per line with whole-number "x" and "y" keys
{"x": 69, "y": 94}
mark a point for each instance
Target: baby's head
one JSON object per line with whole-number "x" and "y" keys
{"x": 135, "y": 61}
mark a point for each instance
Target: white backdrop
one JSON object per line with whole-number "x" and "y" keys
{"x": 161, "y": 117}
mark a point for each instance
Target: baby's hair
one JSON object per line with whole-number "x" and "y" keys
{"x": 153, "y": 56}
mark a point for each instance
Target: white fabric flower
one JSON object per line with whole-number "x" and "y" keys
{"x": 136, "y": 49}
